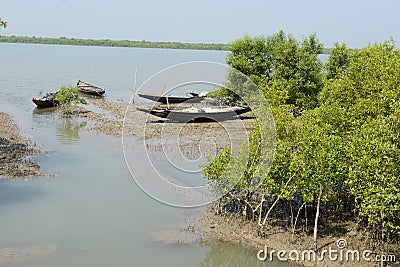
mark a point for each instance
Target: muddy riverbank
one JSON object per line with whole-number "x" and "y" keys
{"x": 192, "y": 139}
{"x": 112, "y": 121}
{"x": 234, "y": 228}
{"x": 16, "y": 151}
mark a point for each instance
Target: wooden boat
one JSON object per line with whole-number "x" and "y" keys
{"x": 198, "y": 114}
{"x": 192, "y": 98}
{"x": 46, "y": 101}
{"x": 86, "y": 88}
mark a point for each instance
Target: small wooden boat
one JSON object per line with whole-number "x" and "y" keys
{"x": 46, "y": 101}
{"x": 86, "y": 88}
{"x": 192, "y": 98}
{"x": 198, "y": 114}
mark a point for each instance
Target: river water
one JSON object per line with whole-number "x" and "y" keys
{"x": 90, "y": 212}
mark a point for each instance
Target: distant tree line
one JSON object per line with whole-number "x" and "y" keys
{"x": 117, "y": 43}
{"x": 111, "y": 43}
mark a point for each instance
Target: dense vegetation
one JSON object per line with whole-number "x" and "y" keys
{"x": 112, "y": 43}
{"x": 338, "y": 135}
{"x": 67, "y": 96}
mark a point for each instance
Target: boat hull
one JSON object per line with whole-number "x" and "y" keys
{"x": 171, "y": 99}
{"x": 40, "y": 103}
{"x": 90, "y": 89}
{"x": 180, "y": 116}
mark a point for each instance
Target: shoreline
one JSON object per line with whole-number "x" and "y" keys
{"x": 16, "y": 152}
{"x": 114, "y": 43}
{"x": 172, "y": 45}
{"x": 235, "y": 229}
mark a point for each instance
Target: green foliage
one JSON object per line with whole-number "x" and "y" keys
{"x": 69, "y": 95}
{"x": 218, "y": 165}
{"x": 369, "y": 93}
{"x": 111, "y": 43}
{"x": 375, "y": 171}
{"x": 350, "y": 144}
{"x": 288, "y": 71}
{"x": 226, "y": 170}
{"x": 339, "y": 129}
{"x": 319, "y": 156}
{"x": 338, "y": 61}
{"x": 298, "y": 71}
{"x": 224, "y": 96}
{"x": 250, "y": 56}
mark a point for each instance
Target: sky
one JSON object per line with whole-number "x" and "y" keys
{"x": 356, "y": 23}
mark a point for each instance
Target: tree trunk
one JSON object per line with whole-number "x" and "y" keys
{"x": 297, "y": 217}
{"x": 276, "y": 201}
{"x": 316, "y": 217}
{"x": 383, "y": 237}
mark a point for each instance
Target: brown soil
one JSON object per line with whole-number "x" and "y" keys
{"x": 234, "y": 228}
{"x": 14, "y": 151}
{"x": 110, "y": 121}
{"x": 191, "y": 139}
{"x": 109, "y": 118}
{"x": 216, "y": 227}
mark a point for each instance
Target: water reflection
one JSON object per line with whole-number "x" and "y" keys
{"x": 44, "y": 110}
{"x": 68, "y": 130}
{"x": 233, "y": 255}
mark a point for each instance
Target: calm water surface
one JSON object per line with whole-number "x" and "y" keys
{"x": 91, "y": 210}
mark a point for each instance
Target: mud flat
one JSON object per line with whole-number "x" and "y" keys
{"x": 235, "y": 229}
{"x": 117, "y": 118}
{"x": 15, "y": 151}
